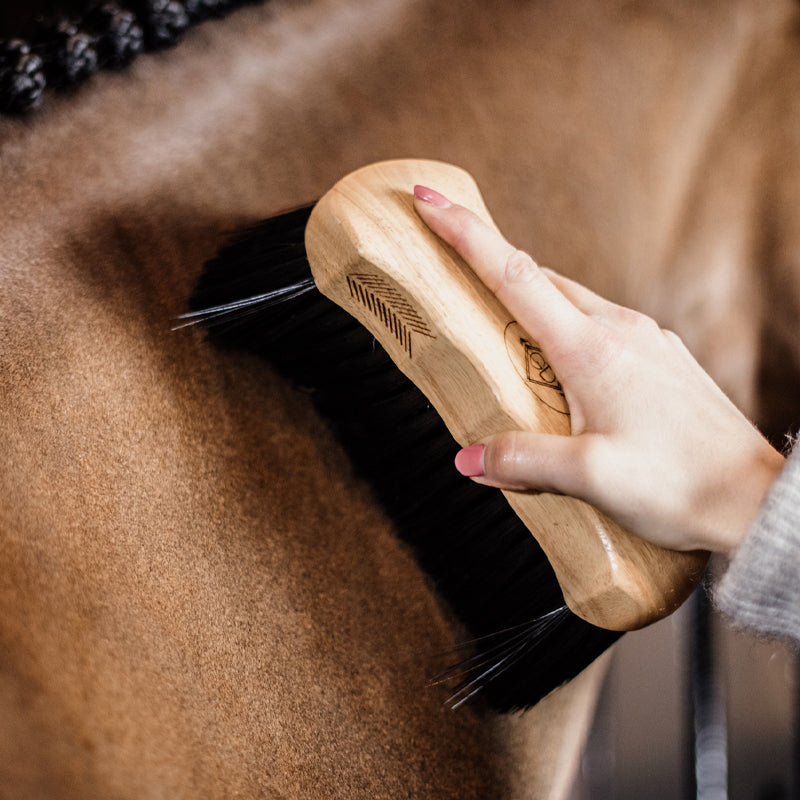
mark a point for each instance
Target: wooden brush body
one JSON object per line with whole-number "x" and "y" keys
{"x": 372, "y": 255}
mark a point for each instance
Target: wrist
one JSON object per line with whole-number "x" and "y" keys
{"x": 747, "y": 490}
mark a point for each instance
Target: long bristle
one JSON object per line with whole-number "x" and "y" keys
{"x": 257, "y": 295}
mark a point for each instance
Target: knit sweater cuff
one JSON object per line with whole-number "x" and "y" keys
{"x": 761, "y": 588}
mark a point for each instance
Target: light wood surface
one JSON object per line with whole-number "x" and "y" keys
{"x": 371, "y": 254}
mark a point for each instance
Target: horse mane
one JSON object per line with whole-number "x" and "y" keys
{"x": 61, "y": 45}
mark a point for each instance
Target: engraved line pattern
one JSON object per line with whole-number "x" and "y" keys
{"x": 399, "y": 317}
{"x": 537, "y": 369}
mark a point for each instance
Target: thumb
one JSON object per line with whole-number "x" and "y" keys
{"x": 521, "y": 460}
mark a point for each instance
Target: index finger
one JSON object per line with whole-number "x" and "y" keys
{"x": 511, "y": 274}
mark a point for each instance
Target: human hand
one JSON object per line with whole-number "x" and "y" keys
{"x": 655, "y": 443}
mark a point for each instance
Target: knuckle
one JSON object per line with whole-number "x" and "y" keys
{"x": 464, "y": 229}
{"x": 646, "y": 323}
{"x": 636, "y": 319}
{"x": 519, "y": 268}
{"x": 503, "y": 456}
{"x": 673, "y": 337}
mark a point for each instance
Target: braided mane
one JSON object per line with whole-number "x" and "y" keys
{"x": 60, "y": 45}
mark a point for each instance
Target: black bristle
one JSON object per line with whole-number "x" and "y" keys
{"x": 483, "y": 561}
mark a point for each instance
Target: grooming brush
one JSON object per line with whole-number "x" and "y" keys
{"x": 410, "y": 356}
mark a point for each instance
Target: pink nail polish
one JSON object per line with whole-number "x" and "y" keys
{"x": 431, "y": 197}
{"x": 469, "y": 461}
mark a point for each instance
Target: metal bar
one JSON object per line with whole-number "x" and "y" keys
{"x": 707, "y": 773}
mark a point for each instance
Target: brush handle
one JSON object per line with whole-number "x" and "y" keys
{"x": 372, "y": 255}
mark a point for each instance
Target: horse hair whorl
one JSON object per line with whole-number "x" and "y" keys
{"x": 67, "y": 49}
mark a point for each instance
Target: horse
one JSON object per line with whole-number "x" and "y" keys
{"x": 199, "y": 598}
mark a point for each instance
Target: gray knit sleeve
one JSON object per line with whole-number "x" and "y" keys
{"x": 761, "y": 588}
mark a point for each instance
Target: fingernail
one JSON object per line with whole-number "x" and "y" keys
{"x": 431, "y": 196}
{"x": 469, "y": 461}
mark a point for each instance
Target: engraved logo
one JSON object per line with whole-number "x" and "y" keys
{"x": 388, "y": 305}
{"x": 530, "y": 363}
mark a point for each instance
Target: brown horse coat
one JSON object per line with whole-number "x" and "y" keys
{"x": 197, "y": 598}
